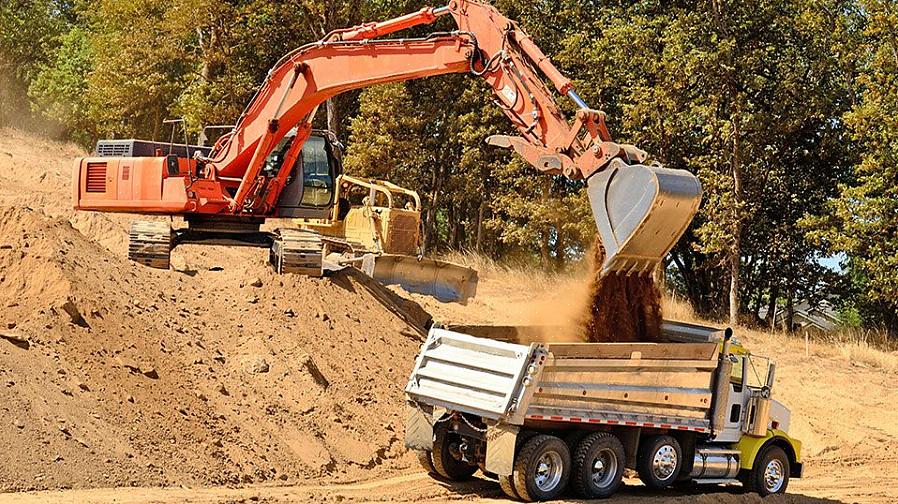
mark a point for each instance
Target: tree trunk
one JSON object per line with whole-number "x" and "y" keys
{"x": 478, "y": 246}
{"x": 737, "y": 227}
{"x": 790, "y": 310}
{"x": 734, "y": 287}
{"x": 436, "y": 184}
{"x": 771, "y": 306}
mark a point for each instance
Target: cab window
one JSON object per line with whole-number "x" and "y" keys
{"x": 736, "y": 373}
{"x": 317, "y": 173}
{"x": 276, "y": 158}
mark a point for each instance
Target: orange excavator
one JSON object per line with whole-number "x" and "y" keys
{"x": 266, "y": 166}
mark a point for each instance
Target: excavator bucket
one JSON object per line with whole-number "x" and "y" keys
{"x": 641, "y": 211}
{"x": 445, "y": 281}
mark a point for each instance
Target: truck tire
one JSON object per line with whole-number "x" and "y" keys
{"x": 770, "y": 472}
{"x": 658, "y": 461}
{"x": 598, "y": 466}
{"x": 425, "y": 458}
{"x": 506, "y": 483}
{"x": 542, "y": 468}
{"x": 445, "y": 463}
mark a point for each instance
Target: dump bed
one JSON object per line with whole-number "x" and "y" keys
{"x": 666, "y": 385}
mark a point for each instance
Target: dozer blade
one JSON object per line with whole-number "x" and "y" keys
{"x": 641, "y": 211}
{"x": 445, "y": 281}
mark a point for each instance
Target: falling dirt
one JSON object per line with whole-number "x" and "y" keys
{"x": 620, "y": 307}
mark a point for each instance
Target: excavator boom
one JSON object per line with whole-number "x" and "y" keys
{"x": 640, "y": 210}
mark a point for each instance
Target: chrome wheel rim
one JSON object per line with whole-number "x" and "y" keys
{"x": 774, "y": 476}
{"x": 664, "y": 462}
{"x": 604, "y": 468}
{"x": 548, "y": 471}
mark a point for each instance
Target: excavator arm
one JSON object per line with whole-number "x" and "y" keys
{"x": 640, "y": 210}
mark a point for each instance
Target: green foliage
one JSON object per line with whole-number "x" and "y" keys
{"x": 862, "y": 222}
{"x": 59, "y": 89}
{"x": 29, "y": 37}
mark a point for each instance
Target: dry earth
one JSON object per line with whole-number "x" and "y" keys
{"x": 219, "y": 381}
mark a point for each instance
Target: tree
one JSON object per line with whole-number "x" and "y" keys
{"x": 863, "y": 221}
{"x": 59, "y": 90}
{"x": 29, "y": 36}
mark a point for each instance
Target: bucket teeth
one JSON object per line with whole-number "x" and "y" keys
{"x": 149, "y": 243}
{"x": 297, "y": 251}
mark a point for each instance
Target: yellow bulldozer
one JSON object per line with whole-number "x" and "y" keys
{"x": 375, "y": 225}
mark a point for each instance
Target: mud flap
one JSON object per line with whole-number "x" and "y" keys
{"x": 418, "y": 428}
{"x": 445, "y": 281}
{"x": 641, "y": 211}
{"x": 500, "y": 445}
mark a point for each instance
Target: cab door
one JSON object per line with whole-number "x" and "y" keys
{"x": 309, "y": 193}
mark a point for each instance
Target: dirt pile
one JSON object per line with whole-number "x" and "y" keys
{"x": 113, "y": 374}
{"x": 620, "y": 307}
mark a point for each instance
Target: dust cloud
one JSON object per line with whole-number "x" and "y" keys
{"x": 586, "y": 308}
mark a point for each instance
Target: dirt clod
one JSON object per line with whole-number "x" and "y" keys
{"x": 258, "y": 365}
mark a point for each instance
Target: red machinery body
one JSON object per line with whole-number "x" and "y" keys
{"x": 233, "y": 180}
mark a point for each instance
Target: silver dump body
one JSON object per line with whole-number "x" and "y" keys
{"x": 662, "y": 385}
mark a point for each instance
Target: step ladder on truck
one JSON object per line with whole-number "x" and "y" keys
{"x": 547, "y": 417}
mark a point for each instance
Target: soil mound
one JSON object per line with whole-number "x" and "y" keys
{"x": 114, "y": 374}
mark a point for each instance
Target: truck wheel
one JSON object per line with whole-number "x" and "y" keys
{"x": 598, "y": 466}
{"x": 542, "y": 468}
{"x": 447, "y": 461}
{"x": 506, "y": 483}
{"x": 658, "y": 461}
{"x": 425, "y": 458}
{"x": 770, "y": 473}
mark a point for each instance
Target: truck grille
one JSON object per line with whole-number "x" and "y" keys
{"x": 96, "y": 177}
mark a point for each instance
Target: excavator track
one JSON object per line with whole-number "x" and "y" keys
{"x": 150, "y": 243}
{"x": 297, "y": 251}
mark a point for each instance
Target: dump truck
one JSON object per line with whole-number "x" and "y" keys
{"x": 545, "y": 417}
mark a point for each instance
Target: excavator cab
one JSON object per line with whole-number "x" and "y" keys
{"x": 310, "y": 190}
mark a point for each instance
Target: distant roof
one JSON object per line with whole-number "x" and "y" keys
{"x": 822, "y": 316}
